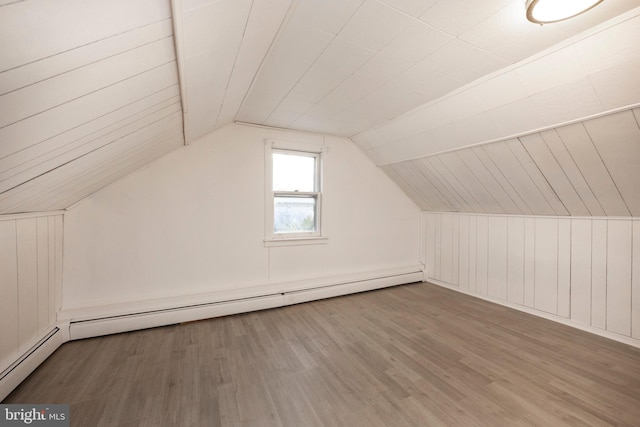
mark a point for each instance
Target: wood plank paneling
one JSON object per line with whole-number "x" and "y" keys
{"x": 30, "y": 273}
{"x": 455, "y": 250}
{"x": 473, "y": 252}
{"x": 451, "y": 203}
{"x": 52, "y": 264}
{"x": 437, "y": 271}
{"x": 546, "y": 265}
{"x": 27, "y": 280}
{"x": 465, "y": 183}
{"x": 397, "y": 177}
{"x": 564, "y": 268}
{"x": 497, "y": 258}
{"x": 438, "y": 195}
{"x": 42, "y": 258}
{"x": 584, "y": 153}
{"x": 431, "y": 245}
{"x": 68, "y": 86}
{"x": 412, "y": 181}
{"x": 581, "y": 269}
{"x": 635, "y": 284}
{"x": 534, "y": 173}
{"x": 581, "y": 248}
{"x": 40, "y": 159}
{"x": 599, "y": 274}
{"x": 573, "y": 174}
{"x": 121, "y": 165}
{"x": 583, "y": 169}
{"x": 482, "y": 255}
{"x": 619, "y": 258}
{"x": 489, "y": 182}
{"x": 413, "y": 186}
{"x": 78, "y": 179}
{"x": 446, "y": 248}
{"x": 529, "y": 261}
{"x": 52, "y": 122}
{"x": 463, "y": 200}
{"x": 515, "y": 260}
{"x": 427, "y": 193}
{"x": 80, "y": 133}
{"x": 511, "y": 168}
{"x": 51, "y": 66}
{"x": 502, "y": 180}
{"x": 548, "y": 164}
{"x": 106, "y": 72}
{"x": 422, "y": 185}
{"x": 9, "y": 288}
{"x": 463, "y": 259}
{"x": 617, "y": 139}
{"x": 25, "y": 23}
{"x": 59, "y": 241}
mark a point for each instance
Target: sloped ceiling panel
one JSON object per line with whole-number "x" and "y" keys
{"x": 223, "y": 44}
{"x": 88, "y": 93}
{"x": 588, "y": 168}
{"x": 343, "y": 67}
{"x": 589, "y": 74}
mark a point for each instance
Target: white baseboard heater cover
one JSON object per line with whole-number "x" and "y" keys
{"x": 149, "y": 319}
{"x": 19, "y": 370}
{"x": 131, "y": 322}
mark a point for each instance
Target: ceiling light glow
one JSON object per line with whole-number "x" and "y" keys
{"x": 547, "y": 11}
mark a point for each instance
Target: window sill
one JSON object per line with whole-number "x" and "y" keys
{"x": 297, "y": 241}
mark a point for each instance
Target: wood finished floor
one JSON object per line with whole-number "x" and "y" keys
{"x": 413, "y": 355}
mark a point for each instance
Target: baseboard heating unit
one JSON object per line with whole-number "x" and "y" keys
{"x": 19, "y": 370}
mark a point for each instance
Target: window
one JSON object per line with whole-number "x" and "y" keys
{"x": 294, "y": 193}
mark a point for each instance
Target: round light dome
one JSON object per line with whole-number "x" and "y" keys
{"x": 547, "y": 11}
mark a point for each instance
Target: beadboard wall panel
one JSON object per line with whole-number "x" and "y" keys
{"x": 106, "y": 78}
{"x": 635, "y": 283}
{"x": 583, "y": 269}
{"x": 515, "y": 260}
{"x": 599, "y": 274}
{"x": 583, "y": 169}
{"x": 30, "y": 281}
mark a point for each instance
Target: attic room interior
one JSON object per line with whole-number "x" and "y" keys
{"x": 320, "y": 212}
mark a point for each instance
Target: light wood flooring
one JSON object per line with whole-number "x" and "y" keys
{"x": 413, "y": 355}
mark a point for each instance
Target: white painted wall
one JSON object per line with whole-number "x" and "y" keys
{"x": 583, "y": 270}
{"x": 193, "y": 223}
{"x": 30, "y": 279}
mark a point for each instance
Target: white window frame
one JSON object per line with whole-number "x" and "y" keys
{"x": 302, "y": 238}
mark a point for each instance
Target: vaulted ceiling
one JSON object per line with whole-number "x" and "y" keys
{"x": 91, "y": 90}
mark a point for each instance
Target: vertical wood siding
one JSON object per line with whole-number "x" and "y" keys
{"x": 30, "y": 282}
{"x": 586, "y": 270}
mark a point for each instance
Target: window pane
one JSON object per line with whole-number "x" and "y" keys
{"x": 294, "y": 214}
{"x": 294, "y": 172}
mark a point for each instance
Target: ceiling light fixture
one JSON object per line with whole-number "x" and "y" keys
{"x": 548, "y": 11}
